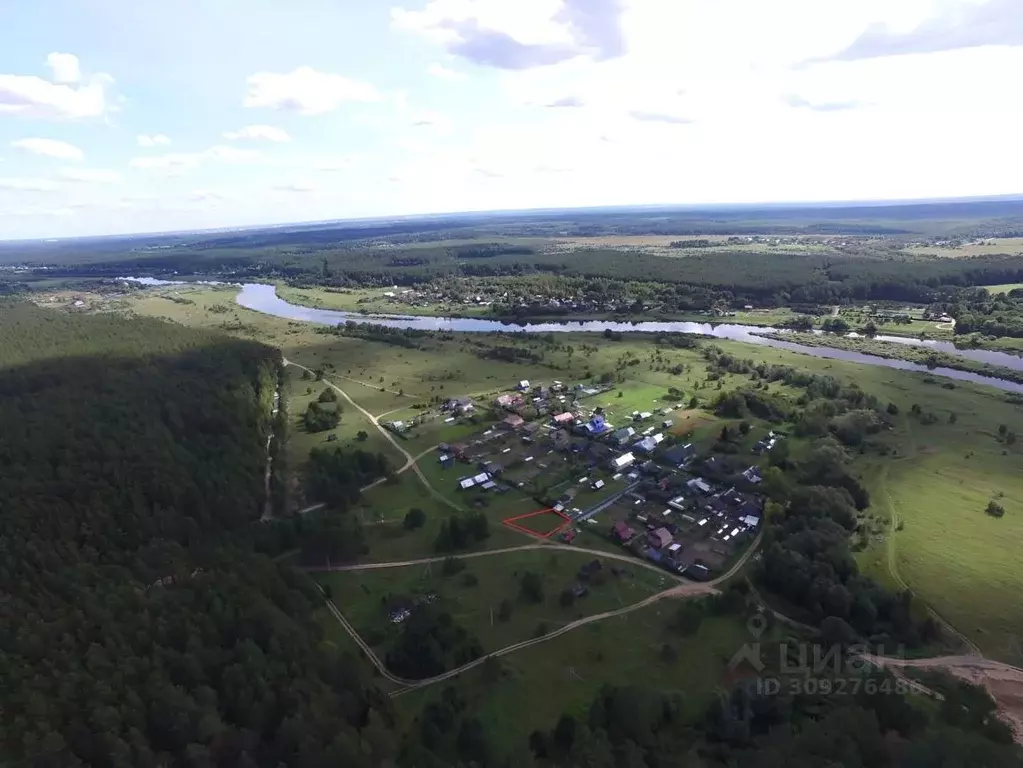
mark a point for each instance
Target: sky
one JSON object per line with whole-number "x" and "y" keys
{"x": 121, "y": 116}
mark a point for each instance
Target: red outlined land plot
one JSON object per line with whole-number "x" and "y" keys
{"x": 544, "y": 523}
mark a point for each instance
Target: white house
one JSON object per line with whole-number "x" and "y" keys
{"x": 623, "y": 461}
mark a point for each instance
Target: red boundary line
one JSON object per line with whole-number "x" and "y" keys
{"x": 510, "y": 522}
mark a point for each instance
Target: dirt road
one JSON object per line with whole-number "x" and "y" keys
{"x": 410, "y": 460}
{"x": 1003, "y": 682}
{"x": 682, "y": 590}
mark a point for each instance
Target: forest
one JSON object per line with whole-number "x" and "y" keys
{"x": 140, "y": 626}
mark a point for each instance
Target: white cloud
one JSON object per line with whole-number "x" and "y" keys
{"x": 176, "y": 163}
{"x": 50, "y": 148}
{"x": 306, "y": 91}
{"x": 65, "y": 67}
{"x": 295, "y": 186}
{"x": 207, "y": 196}
{"x": 445, "y": 73}
{"x": 332, "y": 164}
{"x": 233, "y": 154}
{"x": 30, "y": 96}
{"x": 27, "y": 185}
{"x": 172, "y": 164}
{"x": 152, "y": 140}
{"x": 514, "y": 36}
{"x": 92, "y": 175}
{"x": 267, "y": 132}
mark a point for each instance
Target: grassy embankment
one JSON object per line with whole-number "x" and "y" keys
{"x": 914, "y": 354}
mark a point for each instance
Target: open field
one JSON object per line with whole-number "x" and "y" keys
{"x": 538, "y": 684}
{"x": 1005, "y": 288}
{"x": 986, "y": 247}
{"x": 474, "y": 595}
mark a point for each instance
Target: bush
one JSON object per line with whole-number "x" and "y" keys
{"x": 451, "y": 566}
{"x": 531, "y": 588}
{"x": 414, "y": 518}
{"x": 328, "y": 395}
{"x": 995, "y": 509}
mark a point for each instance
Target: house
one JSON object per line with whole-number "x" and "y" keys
{"x": 753, "y": 475}
{"x": 492, "y": 468}
{"x": 652, "y": 555}
{"x": 661, "y": 537}
{"x": 666, "y": 424}
{"x": 481, "y": 478}
{"x": 458, "y": 450}
{"x": 621, "y": 462}
{"x": 649, "y": 468}
{"x": 595, "y": 426}
{"x": 680, "y": 455}
{"x": 598, "y": 485}
{"x": 648, "y": 444}
{"x": 750, "y": 521}
{"x": 513, "y": 421}
{"x": 466, "y": 483}
{"x": 523, "y": 385}
{"x": 679, "y": 503}
{"x": 563, "y": 419}
{"x": 622, "y": 532}
{"x": 509, "y": 401}
{"x": 623, "y": 435}
{"x": 699, "y": 484}
{"x": 399, "y": 426}
{"x": 461, "y": 405}
{"x": 445, "y": 459}
{"x": 698, "y": 572}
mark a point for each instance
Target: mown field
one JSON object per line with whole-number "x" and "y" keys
{"x": 939, "y": 476}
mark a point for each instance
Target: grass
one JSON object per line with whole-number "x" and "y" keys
{"x": 364, "y": 596}
{"x": 383, "y": 508}
{"x": 1004, "y": 288}
{"x": 537, "y": 685}
{"x": 987, "y": 247}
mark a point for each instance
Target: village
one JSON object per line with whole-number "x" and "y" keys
{"x": 634, "y": 479}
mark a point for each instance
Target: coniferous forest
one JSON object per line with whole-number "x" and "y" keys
{"x": 136, "y": 629}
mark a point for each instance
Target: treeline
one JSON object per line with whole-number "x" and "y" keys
{"x": 977, "y": 311}
{"x": 807, "y": 557}
{"x": 397, "y": 337}
{"x": 871, "y": 727}
{"x": 139, "y": 627}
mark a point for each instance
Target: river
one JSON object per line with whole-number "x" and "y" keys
{"x": 263, "y": 298}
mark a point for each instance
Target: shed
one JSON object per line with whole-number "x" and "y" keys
{"x": 661, "y": 537}
{"x": 623, "y": 461}
{"x": 513, "y": 421}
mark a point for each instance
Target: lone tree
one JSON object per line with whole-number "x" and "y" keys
{"x": 531, "y": 587}
{"x": 995, "y": 509}
{"x": 414, "y": 518}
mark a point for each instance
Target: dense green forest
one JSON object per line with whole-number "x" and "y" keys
{"x": 138, "y": 626}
